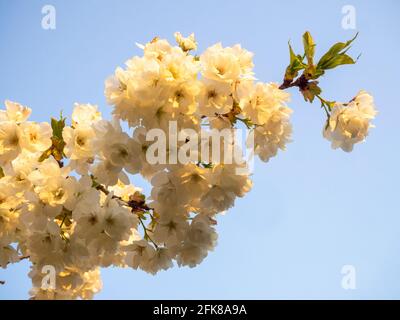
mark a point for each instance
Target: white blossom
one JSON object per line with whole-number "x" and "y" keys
{"x": 349, "y": 124}
{"x": 186, "y": 44}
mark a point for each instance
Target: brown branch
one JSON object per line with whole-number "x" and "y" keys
{"x": 301, "y": 82}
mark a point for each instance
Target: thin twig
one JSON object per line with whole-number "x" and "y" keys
{"x": 63, "y": 220}
{"x": 146, "y": 234}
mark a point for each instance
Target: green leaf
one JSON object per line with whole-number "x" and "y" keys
{"x": 338, "y": 49}
{"x": 309, "y": 52}
{"x": 309, "y": 47}
{"x": 338, "y": 60}
{"x": 57, "y": 148}
{"x": 58, "y": 126}
{"x": 296, "y": 64}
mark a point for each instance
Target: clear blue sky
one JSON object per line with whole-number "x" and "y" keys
{"x": 312, "y": 209}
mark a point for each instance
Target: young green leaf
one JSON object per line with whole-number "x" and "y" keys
{"x": 309, "y": 47}
{"x": 338, "y": 60}
{"x": 296, "y": 64}
{"x": 58, "y": 126}
{"x": 57, "y": 148}
{"x": 336, "y": 56}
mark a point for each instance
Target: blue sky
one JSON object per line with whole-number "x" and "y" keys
{"x": 312, "y": 209}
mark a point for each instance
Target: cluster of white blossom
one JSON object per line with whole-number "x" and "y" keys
{"x": 349, "y": 123}
{"x": 65, "y": 195}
